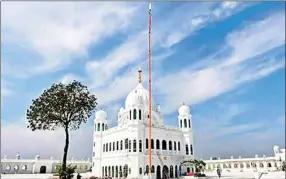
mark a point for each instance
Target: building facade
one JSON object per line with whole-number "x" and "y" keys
{"x": 38, "y": 165}
{"x": 256, "y": 163}
{"x": 122, "y": 151}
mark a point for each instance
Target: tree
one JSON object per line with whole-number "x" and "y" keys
{"x": 198, "y": 164}
{"x": 61, "y": 106}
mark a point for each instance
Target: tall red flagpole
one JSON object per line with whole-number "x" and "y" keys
{"x": 150, "y": 91}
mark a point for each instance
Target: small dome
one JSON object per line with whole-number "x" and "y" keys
{"x": 121, "y": 110}
{"x": 100, "y": 115}
{"x": 138, "y": 97}
{"x": 184, "y": 110}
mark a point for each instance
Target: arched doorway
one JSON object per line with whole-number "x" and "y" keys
{"x": 43, "y": 169}
{"x": 158, "y": 172}
{"x": 165, "y": 172}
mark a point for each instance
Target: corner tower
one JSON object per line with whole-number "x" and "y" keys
{"x": 100, "y": 125}
{"x": 185, "y": 124}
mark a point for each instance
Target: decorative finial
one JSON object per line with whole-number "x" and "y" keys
{"x": 139, "y": 75}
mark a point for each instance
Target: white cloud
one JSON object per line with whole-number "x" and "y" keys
{"x": 134, "y": 49}
{"x": 195, "y": 86}
{"x": 198, "y": 19}
{"x": 58, "y": 31}
{"x": 261, "y": 37}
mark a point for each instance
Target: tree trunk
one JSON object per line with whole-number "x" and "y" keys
{"x": 64, "y": 164}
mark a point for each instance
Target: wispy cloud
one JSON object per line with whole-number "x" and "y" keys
{"x": 214, "y": 80}
{"x": 134, "y": 50}
{"x": 56, "y": 32}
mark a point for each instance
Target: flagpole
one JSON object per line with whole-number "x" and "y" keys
{"x": 150, "y": 91}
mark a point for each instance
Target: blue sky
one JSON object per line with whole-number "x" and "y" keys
{"x": 226, "y": 60}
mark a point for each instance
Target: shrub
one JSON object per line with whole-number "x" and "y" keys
{"x": 69, "y": 173}
{"x": 199, "y": 175}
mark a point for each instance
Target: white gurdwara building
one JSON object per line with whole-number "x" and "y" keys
{"x": 122, "y": 151}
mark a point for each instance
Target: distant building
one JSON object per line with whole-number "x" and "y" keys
{"x": 122, "y": 151}
{"x": 37, "y": 165}
{"x": 256, "y": 163}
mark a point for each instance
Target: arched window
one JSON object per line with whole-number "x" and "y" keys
{"x": 140, "y": 170}
{"x": 134, "y": 145}
{"x": 152, "y": 144}
{"x": 126, "y": 143}
{"x": 105, "y": 168}
{"x": 191, "y": 148}
{"x": 185, "y": 123}
{"x": 102, "y": 127}
{"x": 179, "y": 146}
{"x": 140, "y": 147}
{"x": 164, "y": 145}
{"x": 94, "y": 127}
{"x": 110, "y": 146}
{"x": 170, "y": 145}
{"x": 98, "y": 127}
{"x": 103, "y": 147}
{"x": 116, "y": 171}
{"x": 117, "y": 145}
{"x": 157, "y": 144}
{"x": 247, "y": 165}
{"x": 175, "y": 146}
{"x": 152, "y": 169}
{"x": 120, "y": 171}
{"x": 113, "y": 146}
{"x": 121, "y": 144}
{"x": 187, "y": 150}
{"x": 130, "y": 115}
{"x": 106, "y": 149}
{"x": 112, "y": 171}
{"x": 102, "y": 171}
{"x": 229, "y": 165}
{"x": 241, "y": 165}
{"x": 269, "y": 165}
{"x": 261, "y": 165}
{"x": 24, "y": 167}
{"x": 176, "y": 171}
{"x": 140, "y": 114}
{"x": 189, "y": 123}
{"x": 181, "y": 123}
{"x": 129, "y": 145}
{"x": 146, "y": 143}
{"x": 134, "y": 114}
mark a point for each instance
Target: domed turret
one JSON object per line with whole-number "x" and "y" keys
{"x": 184, "y": 110}
{"x": 18, "y": 156}
{"x": 100, "y": 115}
{"x": 37, "y": 157}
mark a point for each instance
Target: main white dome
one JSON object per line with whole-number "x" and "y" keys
{"x": 138, "y": 97}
